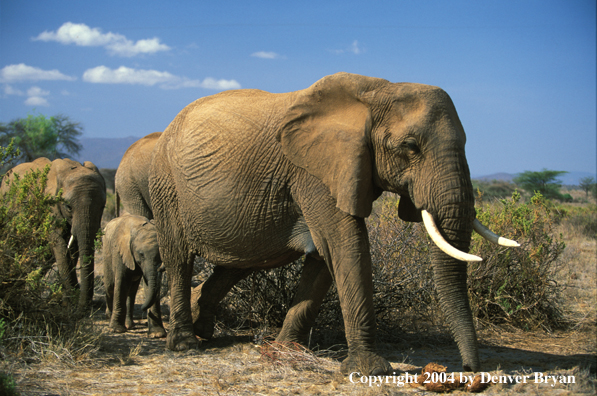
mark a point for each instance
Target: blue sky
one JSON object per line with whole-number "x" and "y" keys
{"x": 522, "y": 74}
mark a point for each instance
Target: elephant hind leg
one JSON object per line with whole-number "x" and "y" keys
{"x": 205, "y": 297}
{"x": 154, "y": 317}
{"x": 175, "y": 253}
{"x": 313, "y": 286}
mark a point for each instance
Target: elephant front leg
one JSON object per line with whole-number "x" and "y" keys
{"x": 117, "y": 321}
{"x": 346, "y": 248}
{"x": 206, "y": 297}
{"x": 355, "y": 290}
{"x": 313, "y": 286}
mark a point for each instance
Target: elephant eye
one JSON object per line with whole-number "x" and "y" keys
{"x": 411, "y": 145}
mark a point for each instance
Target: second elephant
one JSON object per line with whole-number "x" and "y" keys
{"x": 130, "y": 253}
{"x": 132, "y": 177}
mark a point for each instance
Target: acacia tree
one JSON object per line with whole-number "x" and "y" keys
{"x": 545, "y": 182}
{"x": 587, "y": 184}
{"x": 39, "y": 136}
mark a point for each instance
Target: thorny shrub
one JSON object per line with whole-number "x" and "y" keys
{"x": 511, "y": 286}
{"x": 31, "y": 300}
{"x": 518, "y": 286}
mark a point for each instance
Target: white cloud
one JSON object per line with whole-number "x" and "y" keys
{"x": 211, "y": 83}
{"x": 265, "y": 55}
{"x": 36, "y": 97}
{"x": 355, "y": 48}
{"x": 8, "y": 90}
{"x": 36, "y": 101}
{"x": 127, "y": 75}
{"x": 37, "y": 91}
{"x": 116, "y": 44}
{"x": 22, "y": 72}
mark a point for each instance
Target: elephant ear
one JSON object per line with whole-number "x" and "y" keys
{"x": 125, "y": 241}
{"x": 91, "y": 165}
{"x": 326, "y": 131}
{"x": 60, "y": 170}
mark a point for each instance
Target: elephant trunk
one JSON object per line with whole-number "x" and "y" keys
{"x": 153, "y": 281}
{"x": 85, "y": 237}
{"x": 450, "y": 280}
{"x": 455, "y": 215}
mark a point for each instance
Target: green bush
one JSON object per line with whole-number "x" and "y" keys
{"x": 518, "y": 286}
{"x": 34, "y": 316}
{"x": 26, "y": 221}
{"x": 7, "y": 385}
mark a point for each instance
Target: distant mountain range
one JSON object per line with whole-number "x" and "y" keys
{"x": 568, "y": 179}
{"x": 107, "y": 153}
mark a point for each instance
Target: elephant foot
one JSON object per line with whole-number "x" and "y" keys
{"x": 118, "y": 328}
{"x": 365, "y": 363}
{"x": 204, "y": 327}
{"x": 291, "y": 336}
{"x": 130, "y": 325}
{"x": 181, "y": 340}
{"x": 156, "y": 332}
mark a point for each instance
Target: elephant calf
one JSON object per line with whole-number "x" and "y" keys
{"x": 131, "y": 252}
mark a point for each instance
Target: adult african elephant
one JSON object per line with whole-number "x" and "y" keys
{"x": 132, "y": 176}
{"x": 131, "y": 253}
{"x": 84, "y": 191}
{"x": 251, "y": 180}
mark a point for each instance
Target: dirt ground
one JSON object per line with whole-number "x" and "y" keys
{"x": 132, "y": 364}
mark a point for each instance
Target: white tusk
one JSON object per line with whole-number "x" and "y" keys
{"x": 442, "y": 243}
{"x": 493, "y": 237}
{"x": 70, "y": 241}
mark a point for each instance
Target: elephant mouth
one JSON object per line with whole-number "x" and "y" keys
{"x": 450, "y": 250}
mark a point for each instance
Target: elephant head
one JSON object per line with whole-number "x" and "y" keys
{"x": 84, "y": 192}
{"x": 361, "y": 136}
{"x": 139, "y": 248}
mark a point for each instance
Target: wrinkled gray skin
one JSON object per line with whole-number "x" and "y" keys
{"x": 131, "y": 252}
{"x": 132, "y": 176}
{"x": 132, "y": 190}
{"x": 252, "y": 180}
{"x": 84, "y": 190}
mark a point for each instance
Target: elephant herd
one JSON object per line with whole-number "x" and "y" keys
{"x": 252, "y": 180}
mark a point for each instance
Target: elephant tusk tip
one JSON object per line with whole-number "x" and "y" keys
{"x": 508, "y": 242}
{"x": 493, "y": 237}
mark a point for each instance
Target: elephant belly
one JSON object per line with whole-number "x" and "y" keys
{"x": 248, "y": 234}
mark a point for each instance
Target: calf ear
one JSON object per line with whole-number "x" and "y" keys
{"x": 125, "y": 246}
{"x": 326, "y": 131}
